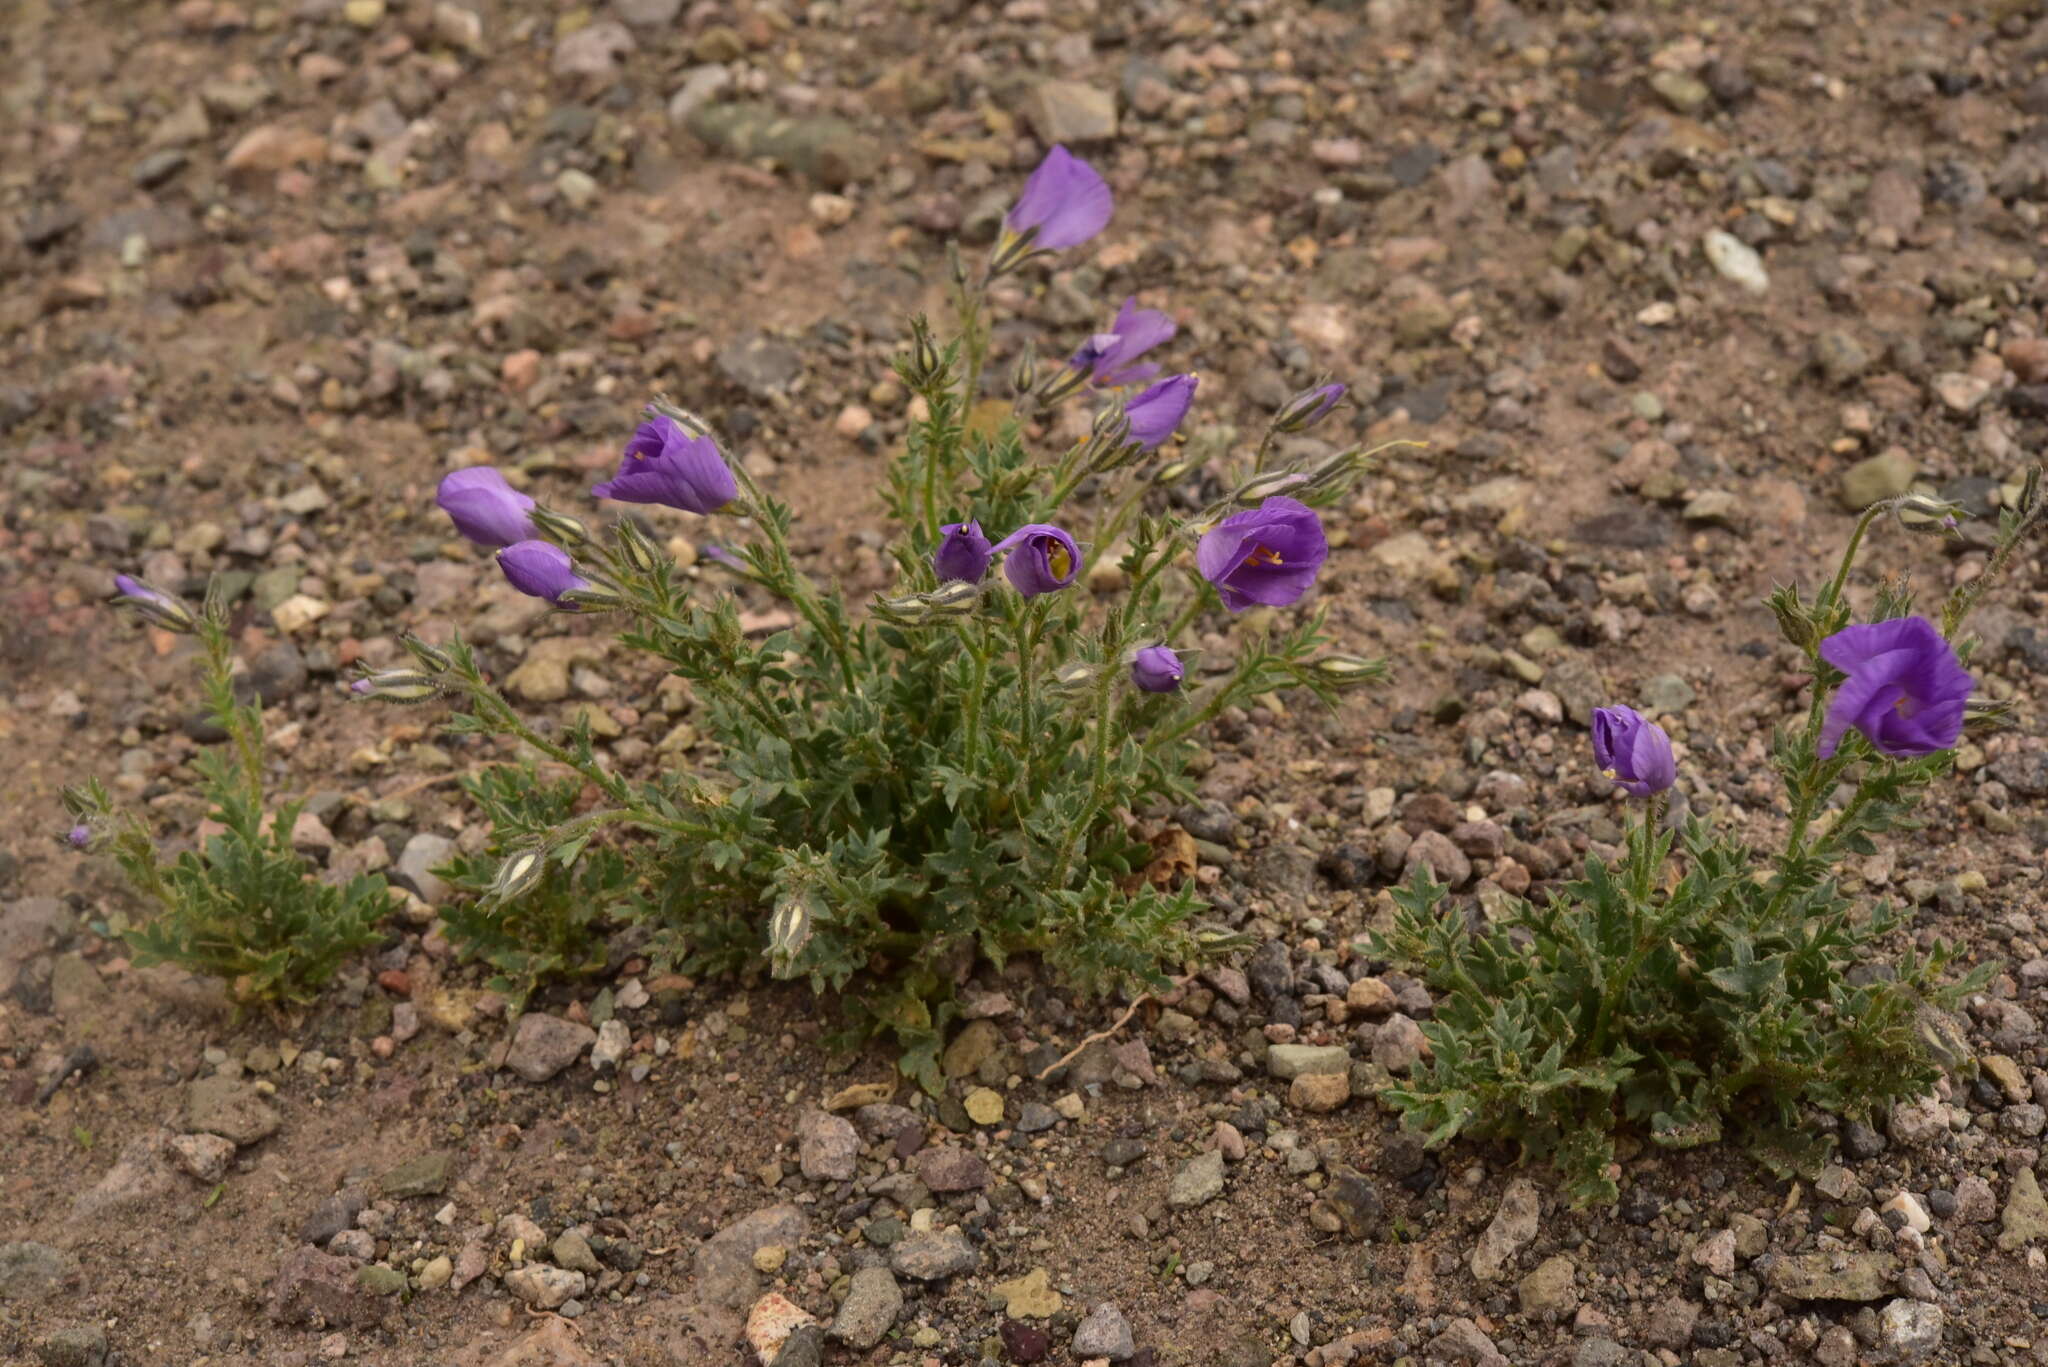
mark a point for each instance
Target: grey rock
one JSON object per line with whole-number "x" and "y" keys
{"x": 648, "y": 13}
{"x": 2025, "y": 1217}
{"x": 416, "y": 864}
{"x": 1104, "y": 1334}
{"x": 827, "y": 1146}
{"x": 1877, "y": 478}
{"x": 545, "y": 1287}
{"x": 1290, "y": 1061}
{"x": 613, "y": 1040}
{"x": 544, "y": 1045}
{"x": 1857, "y": 1275}
{"x": 330, "y": 1217}
{"x": 82, "y": 1345}
{"x": 424, "y": 1175}
{"x": 571, "y": 1250}
{"x": 725, "y": 1261}
{"x": 1398, "y": 1045}
{"x": 932, "y": 1254}
{"x": 1909, "y": 1330}
{"x": 1840, "y": 357}
{"x": 592, "y": 53}
{"x": 141, "y": 1173}
{"x": 701, "y": 85}
{"x": 1072, "y": 112}
{"x": 31, "y": 1271}
{"x": 950, "y": 1168}
{"x": 760, "y": 365}
{"x": 1510, "y": 1231}
{"x": 873, "y": 1301}
{"x": 1433, "y": 850}
{"x": 1464, "y": 1342}
{"x": 1199, "y": 1181}
{"x": 230, "y": 1108}
{"x": 314, "y": 1287}
{"x": 1551, "y": 1292}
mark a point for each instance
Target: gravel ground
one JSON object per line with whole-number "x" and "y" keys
{"x": 1666, "y": 290}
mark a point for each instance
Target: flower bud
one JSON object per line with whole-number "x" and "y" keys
{"x": 1336, "y": 471}
{"x": 160, "y": 607}
{"x": 1926, "y": 514}
{"x": 1064, "y": 382}
{"x": 789, "y": 930}
{"x": 1983, "y": 711}
{"x": 80, "y": 801}
{"x": 564, "y": 530}
{"x": 518, "y": 874}
{"x": 1259, "y": 488}
{"x": 1307, "y": 408}
{"x": 1074, "y": 677}
{"x": 635, "y": 548}
{"x": 1175, "y": 471}
{"x": 79, "y": 836}
{"x": 956, "y": 599}
{"x": 1024, "y": 374}
{"x": 925, "y": 367}
{"x": 431, "y": 658}
{"x": 395, "y": 685}
{"x": 1795, "y": 623}
{"x": 910, "y": 610}
{"x": 1347, "y": 671}
{"x": 591, "y": 598}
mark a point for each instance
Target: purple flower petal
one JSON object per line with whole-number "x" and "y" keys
{"x": 1064, "y": 199}
{"x": 540, "y": 569}
{"x": 1041, "y": 558}
{"x": 1157, "y": 412}
{"x": 963, "y": 554}
{"x": 1906, "y": 689}
{"x": 1270, "y": 554}
{"x": 664, "y": 464}
{"x": 1632, "y": 750}
{"x": 484, "y": 507}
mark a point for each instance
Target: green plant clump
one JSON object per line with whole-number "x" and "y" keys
{"x": 1717, "y": 992}
{"x": 245, "y": 907}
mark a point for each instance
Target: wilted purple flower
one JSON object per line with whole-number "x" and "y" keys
{"x": 1632, "y": 750}
{"x": 540, "y": 569}
{"x": 156, "y": 605}
{"x": 1064, "y": 200}
{"x": 1041, "y": 558}
{"x": 963, "y": 553}
{"x": 1156, "y": 669}
{"x": 1156, "y": 412}
{"x": 1107, "y": 356}
{"x": 484, "y": 507}
{"x": 1270, "y": 554}
{"x": 1308, "y": 408}
{"x": 664, "y": 464}
{"x": 1905, "y": 692}
{"x": 79, "y": 836}
{"x": 719, "y": 555}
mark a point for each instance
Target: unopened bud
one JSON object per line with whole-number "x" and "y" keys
{"x": 433, "y": 659}
{"x": 564, "y": 530}
{"x": 80, "y": 801}
{"x": 1336, "y": 471}
{"x": 1024, "y": 374}
{"x": 955, "y": 599}
{"x": 396, "y": 686}
{"x": 1067, "y": 380}
{"x": 925, "y": 366}
{"x": 1982, "y": 711}
{"x": 634, "y": 547}
{"x": 1075, "y": 676}
{"x": 908, "y": 611}
{"x": 160, "y": 607}
{"x": 518, "y": 873}
{"x": 1795, "y": 623}
{"x": 592, "y": 598}
{"x": 1348, "y": 671}
{"x": 1175, "y": 471}
{"x": 789, "y": 930}
{"x": 1262, "y": 487}
{"x": 1307, "y": 408}
{"x": 1926, "y": 514}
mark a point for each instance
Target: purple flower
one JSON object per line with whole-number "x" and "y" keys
{"x": 963, "y": 553}
{"x": 1064, "y": 199}
{"x": 1155, "y": 413}
{"x": 484, "y": 507}
{"x": 1308, "y": 408}
{"x": 1156, "y": 669}
{"x": 80, "y": 836}
{"x": 1905, "y": 691}
{"x": 1269, "y": 554}
{"x": 153, "y": 604}
{"x": 540, "y": 569}
{"x": 1107, "y": 356}
{"x": 1632, "y": 751}
{"x": 719, "y": 555}
{"x": 665, "y": 464}
{"x": 1041, "y": 558}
